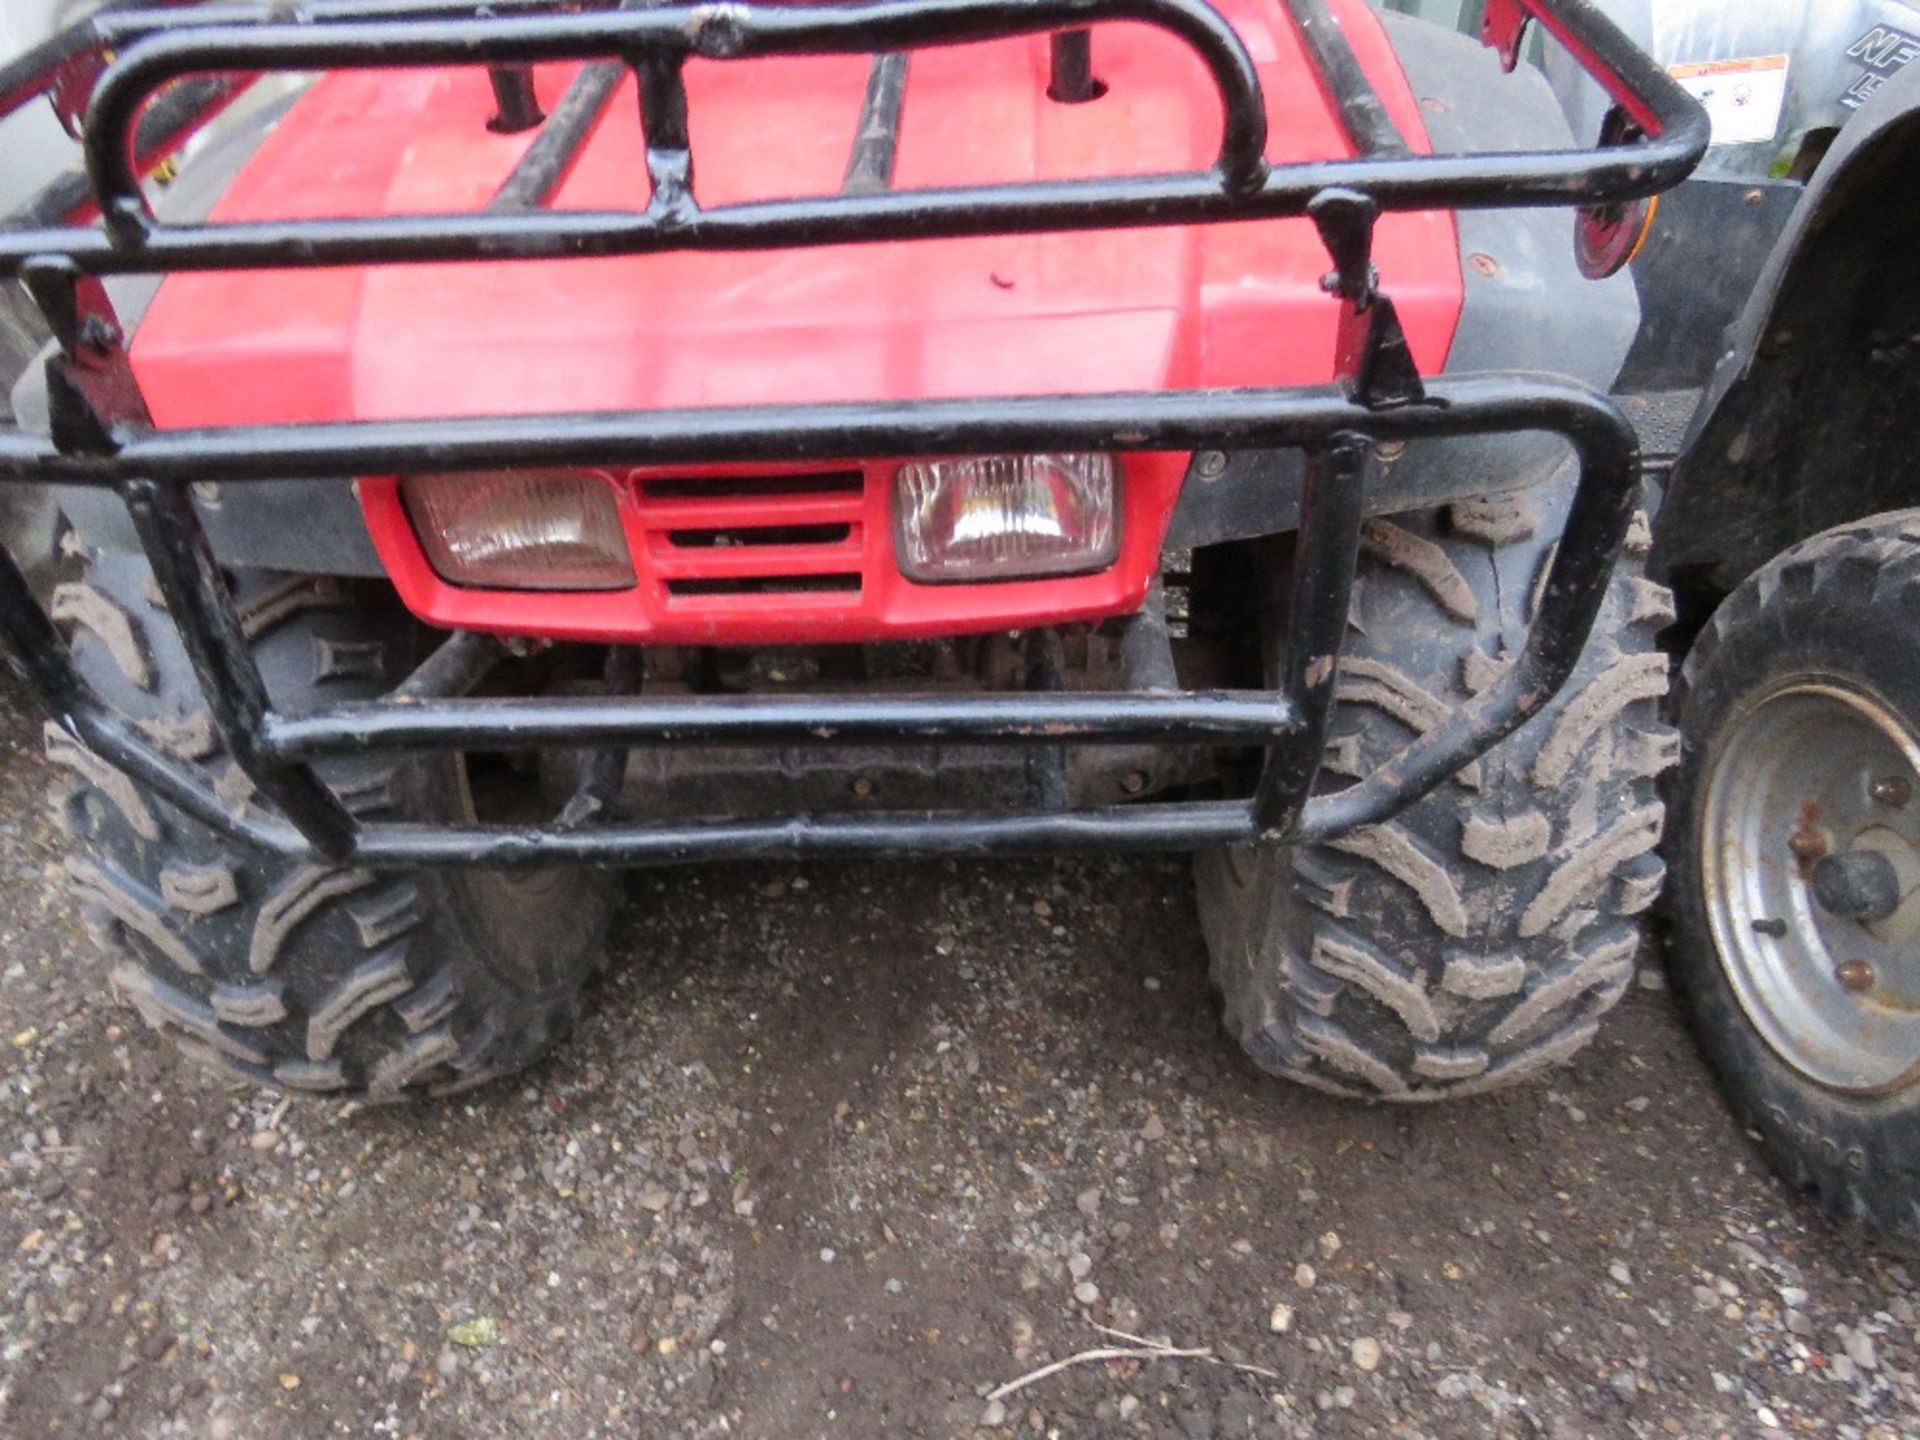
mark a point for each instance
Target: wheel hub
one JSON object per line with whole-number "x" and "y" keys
{"x": 1812, "y": 881}
{"x": 1859, "y": 885}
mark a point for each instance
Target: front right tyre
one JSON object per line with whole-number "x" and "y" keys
{"x": 1478, "y": 937}
{"x": 1794, "y": 848}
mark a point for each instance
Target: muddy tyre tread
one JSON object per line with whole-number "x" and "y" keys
{"x": 312, "y": 978}
{"x": 1477, "y": 938}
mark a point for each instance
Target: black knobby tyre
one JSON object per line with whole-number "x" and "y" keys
{"x": 323, "y": 978}
{"x": 1477, "y": 937}
{"x": 1799, "y": 711}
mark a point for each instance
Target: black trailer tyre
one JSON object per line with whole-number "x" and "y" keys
{"x": 1478, "y": 937}
{"x": 321, "y": 978}
{"x": 1795, "y": 907}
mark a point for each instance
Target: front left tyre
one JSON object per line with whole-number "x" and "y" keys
{"x": 342, "y": 980}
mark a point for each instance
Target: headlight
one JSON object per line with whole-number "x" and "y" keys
{"x": 1006, "y": 517}
{"x": 521, "y": 529}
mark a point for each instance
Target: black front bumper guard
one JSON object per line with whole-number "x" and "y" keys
{"x": 102, "y": 434}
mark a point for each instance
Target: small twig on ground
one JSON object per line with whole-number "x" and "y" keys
{"x": 833, "y": 1175}
{"x": 542, "y": 1361}
{"x": 1138, "y": 1347}
{"x": 1129, "y": 1338}
{"x": 1210, "y": 1357}
{"x": 1104, "y": 1352}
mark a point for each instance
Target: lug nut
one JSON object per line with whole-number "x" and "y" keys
{"x": 1807, "y": 844}
{"x": 1134, "y": 781}
{"x": 1894, "y": 790}
{"x": 863, "y": 787}
{"x": 1854, "y": 975}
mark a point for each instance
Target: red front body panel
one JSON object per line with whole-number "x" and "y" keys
{"x": 1225, "y": 305}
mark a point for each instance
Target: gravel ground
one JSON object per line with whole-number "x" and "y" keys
{"x": 842, "y": 1149}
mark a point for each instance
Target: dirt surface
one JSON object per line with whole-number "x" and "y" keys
{"x": 840, "y": 1150}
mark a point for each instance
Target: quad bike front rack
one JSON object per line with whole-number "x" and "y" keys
{"x": 112, "y": 65}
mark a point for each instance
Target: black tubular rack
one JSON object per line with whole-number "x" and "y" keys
{"x": 106, "y": 70}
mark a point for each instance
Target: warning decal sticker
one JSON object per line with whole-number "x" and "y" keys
{"x": 1743, "y": 98}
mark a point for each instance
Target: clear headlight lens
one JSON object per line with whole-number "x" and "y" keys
{"x": 1006, "y": 517}
{"x": 521, "y": 529}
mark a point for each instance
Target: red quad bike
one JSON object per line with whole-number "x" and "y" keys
{"x": 575, "y": 436}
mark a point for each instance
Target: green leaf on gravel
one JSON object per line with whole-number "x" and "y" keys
{"x": 482, "y": 1331}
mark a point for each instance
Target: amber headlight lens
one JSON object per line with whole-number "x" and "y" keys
{"x": 1006, "y": 517}
{"x": 521, "y": 529}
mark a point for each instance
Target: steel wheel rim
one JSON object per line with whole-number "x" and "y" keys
{"x": 1806, "y": 771}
